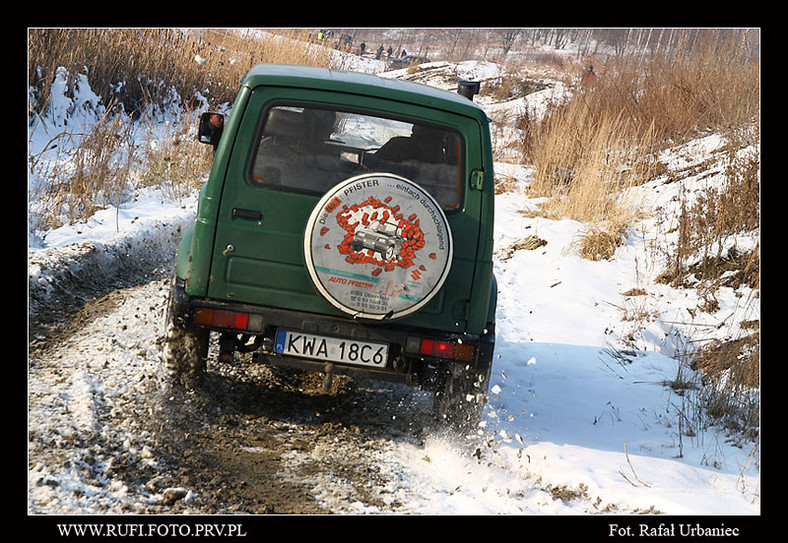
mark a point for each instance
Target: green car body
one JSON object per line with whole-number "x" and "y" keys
{"x": 245, "y": 253}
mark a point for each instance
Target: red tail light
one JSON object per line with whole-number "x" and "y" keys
{"x": 446, "y": 349}
{"x": 432, "y": 347}
{"x": 228, "y": 319}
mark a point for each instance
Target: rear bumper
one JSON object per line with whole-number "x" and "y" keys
{"x": 405, "y": 364}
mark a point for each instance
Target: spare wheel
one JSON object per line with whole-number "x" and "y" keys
{"x": 377, "y": 246}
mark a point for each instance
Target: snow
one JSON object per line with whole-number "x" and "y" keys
{"x": 566, "y": 414}
{"x": 563, "y": 413}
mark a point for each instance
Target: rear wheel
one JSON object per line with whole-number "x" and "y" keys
{"x": 185, "y": 346}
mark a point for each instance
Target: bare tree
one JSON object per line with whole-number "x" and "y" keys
{"x": 560, "y": 37}
{"x": 508, "y": 37}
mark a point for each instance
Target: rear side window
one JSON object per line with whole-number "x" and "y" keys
{"x": 310, "y": 150}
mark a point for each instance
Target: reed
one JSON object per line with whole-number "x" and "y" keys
{"x": 587, "y": 152}
{"x": 139, "y": 73}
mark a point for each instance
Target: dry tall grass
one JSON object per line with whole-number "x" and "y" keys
{"x": 139, "y": 67}
{"x": 83, "y": 179}
{"x": 139, "y": 72}
{"x": 587, "y": 151}
{"x": 584, "y": 159}
{"x": 707, "y": 223}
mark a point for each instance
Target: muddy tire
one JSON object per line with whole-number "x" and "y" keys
{"x": 185, "y": 346}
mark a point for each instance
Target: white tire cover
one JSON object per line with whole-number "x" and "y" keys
{"x": 378, "y": 246}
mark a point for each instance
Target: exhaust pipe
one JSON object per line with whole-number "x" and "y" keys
{"x": 468, "y": 89}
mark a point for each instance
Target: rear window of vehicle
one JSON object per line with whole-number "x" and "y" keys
{"x": 310, "y": 150}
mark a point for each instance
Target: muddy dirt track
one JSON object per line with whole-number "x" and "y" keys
{"x": 106, "y": 435}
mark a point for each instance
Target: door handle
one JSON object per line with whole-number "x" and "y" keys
{"x": 239, "y": 213}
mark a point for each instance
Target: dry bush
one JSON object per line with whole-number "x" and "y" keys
{"x": 528, "y": 243}
{"x": 174, "y": 160}
{"x": 547, "y": 58}
{"x": 732, "y": 373}
{"x": 713, "y": 84}
{"x": 588, "y": 151}
{"x": 600, "y": 243}
{"x": 134, "y": 66}
{"x": 706, "y": 225}
{"x": 732, "y": 270}
{"x": 527, "y": 126}
{"x": 94, "y": 174}
{"x": 505, "y": 184}
{"x": 739, "y": 357}
{"x": 510, "y": 86}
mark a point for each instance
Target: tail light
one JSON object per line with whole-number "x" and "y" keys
{"x": 446, "y": 349}
{"x": 222, "y": 318}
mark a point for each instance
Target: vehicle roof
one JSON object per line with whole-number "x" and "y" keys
{"x": 360, "y": 83}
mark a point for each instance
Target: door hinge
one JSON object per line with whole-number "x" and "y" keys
{"x": 477, "y": 179}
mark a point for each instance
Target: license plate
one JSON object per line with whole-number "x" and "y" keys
{"x": 330, "y": 349}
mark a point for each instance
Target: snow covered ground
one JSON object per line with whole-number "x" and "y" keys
{"x": 565, "y": 413}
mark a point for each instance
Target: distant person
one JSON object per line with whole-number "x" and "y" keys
{"x": 589, "y": 77}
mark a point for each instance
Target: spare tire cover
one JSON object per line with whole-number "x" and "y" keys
{"x": 378, "y": 246}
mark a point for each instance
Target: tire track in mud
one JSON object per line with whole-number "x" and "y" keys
{"x": 275, "y": 442}
{"x": 87, "y": 451}
{"x": 106, "y": 435}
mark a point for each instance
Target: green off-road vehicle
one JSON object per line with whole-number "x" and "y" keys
{"x": 346, "y": 228}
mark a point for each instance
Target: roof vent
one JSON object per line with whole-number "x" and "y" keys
{"x": 468, "y": 88}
